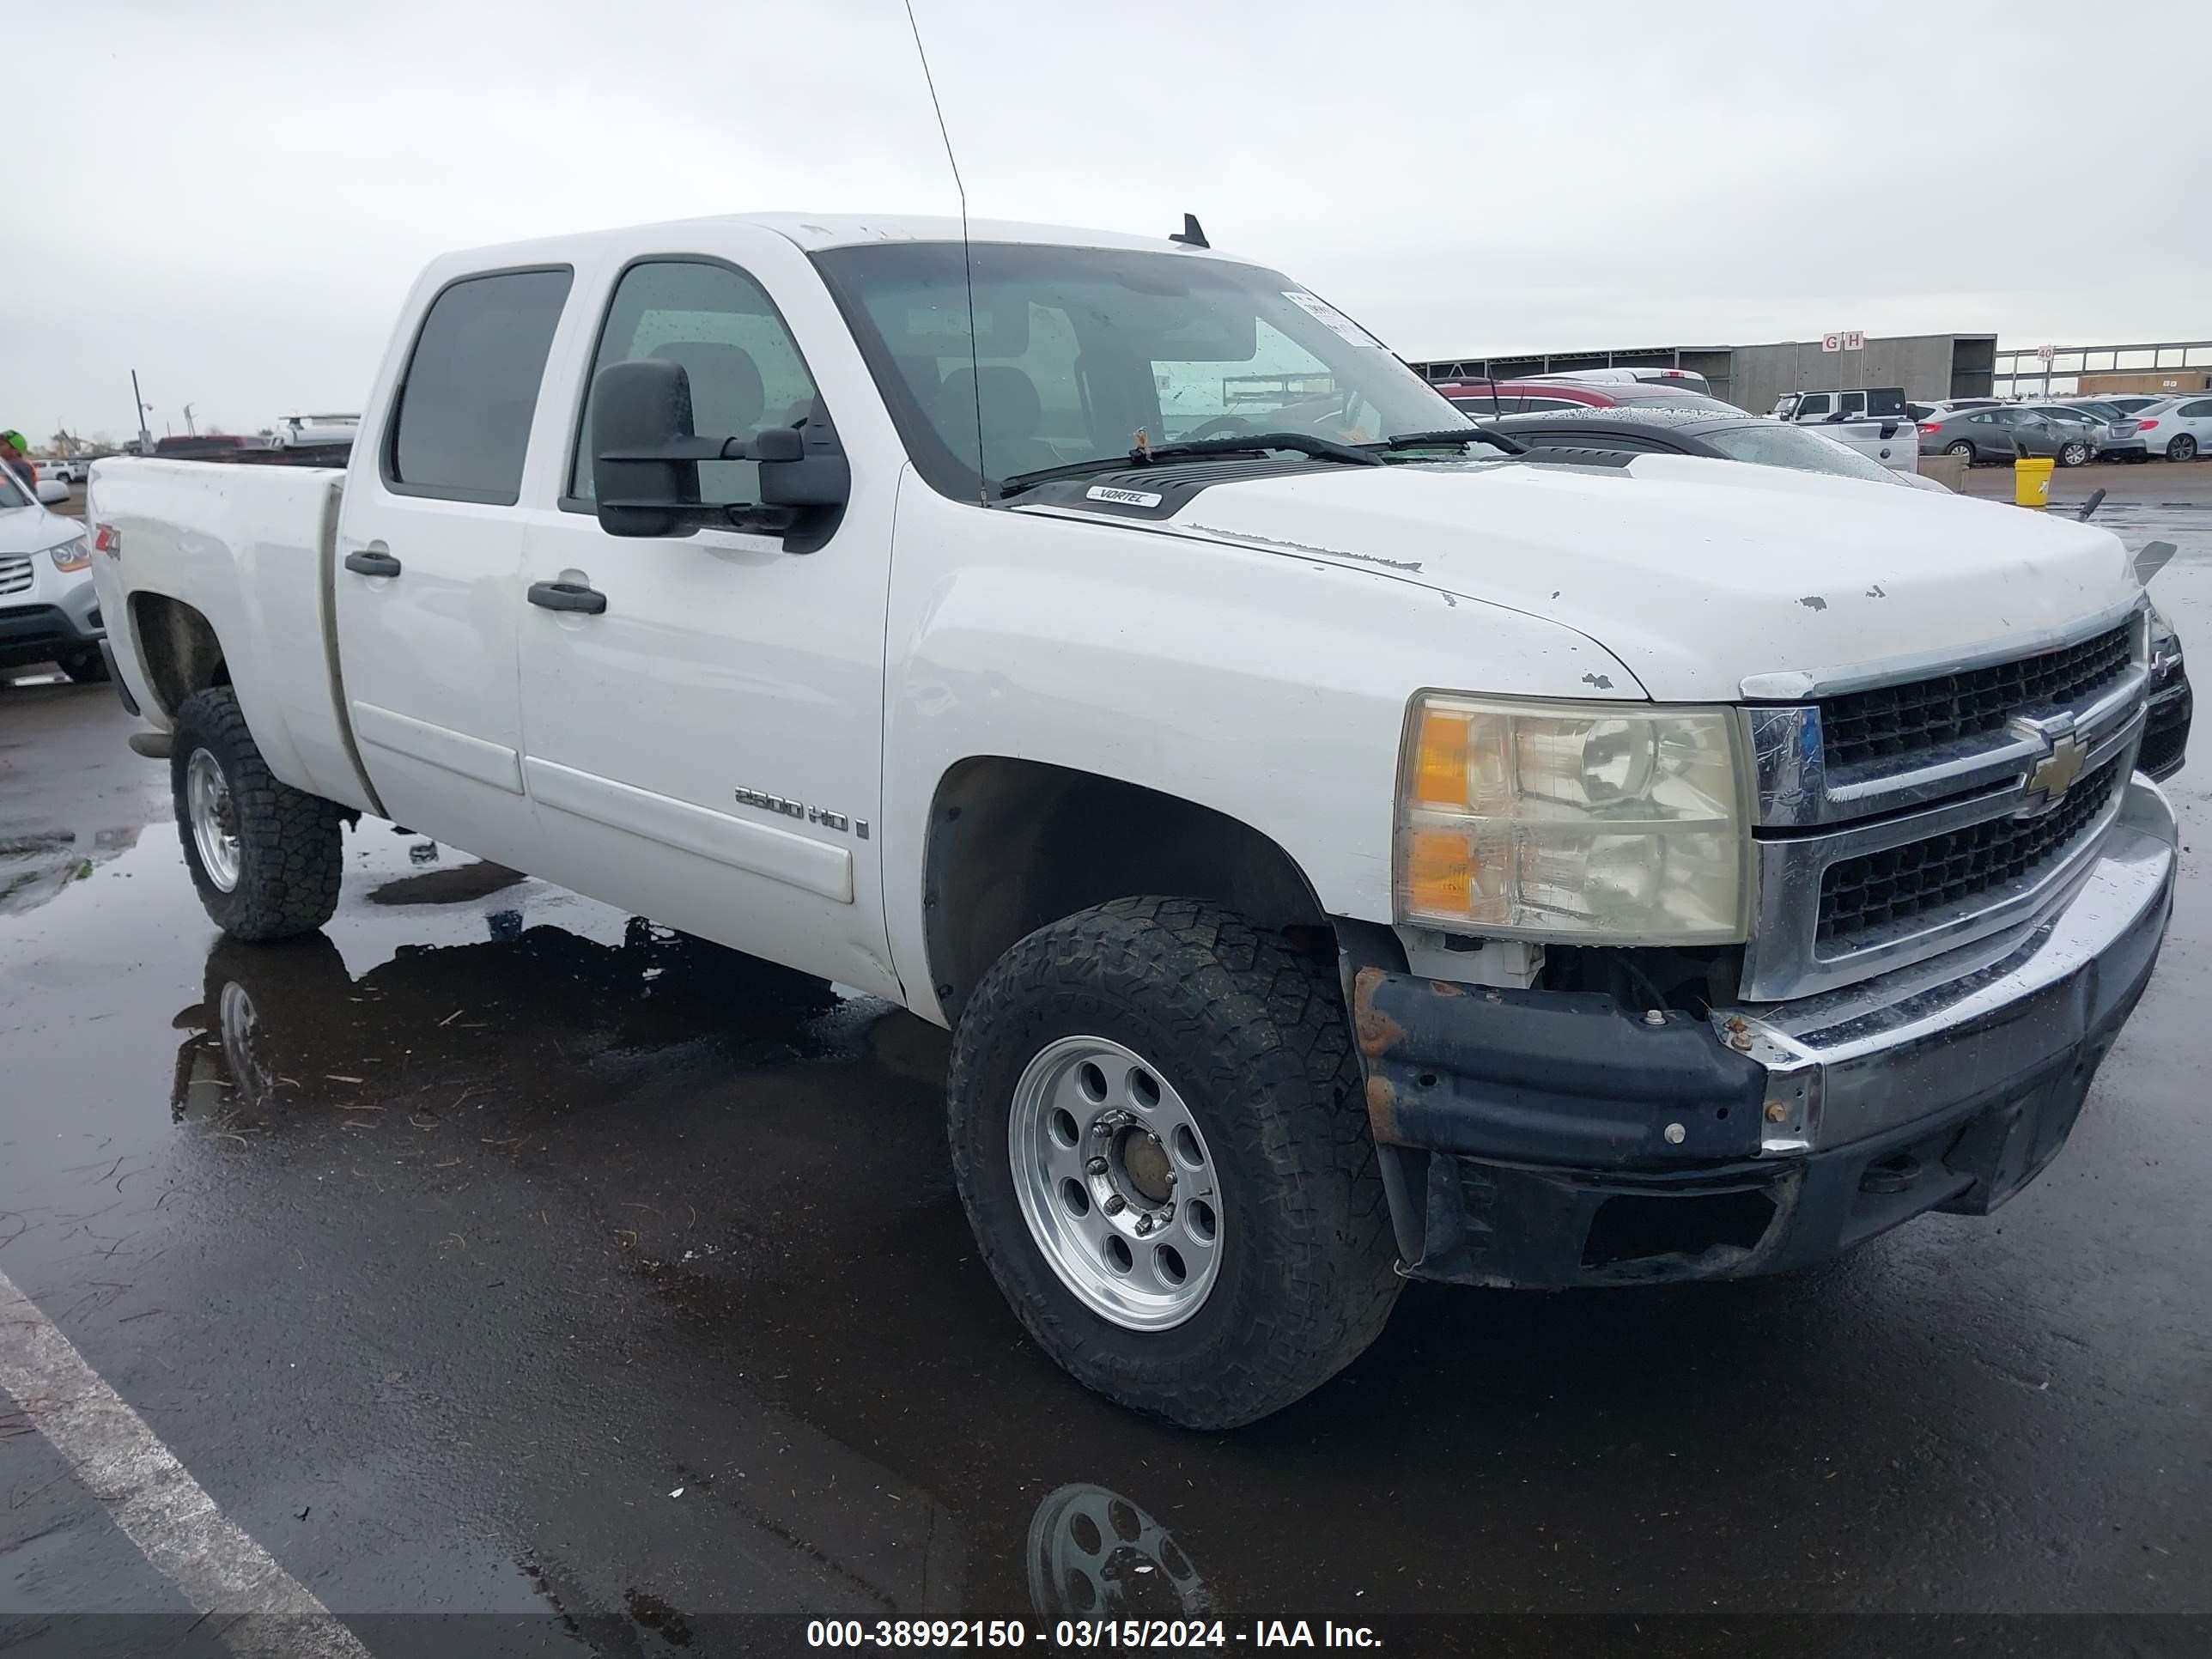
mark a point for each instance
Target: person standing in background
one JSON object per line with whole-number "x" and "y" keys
{"x": 15, "y": 456}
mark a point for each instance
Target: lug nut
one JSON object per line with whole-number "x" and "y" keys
{"x": 1096, "y": 1166}
{"x": 1114, "y": 1204}
{"x": 1143, "y": 1225}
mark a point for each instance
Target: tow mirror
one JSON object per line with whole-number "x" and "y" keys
{"x": 646, "y": 455}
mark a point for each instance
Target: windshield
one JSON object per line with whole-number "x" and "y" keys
{"x": 1766, "y": 443}
{"x": 1084, "y": 353}
{"x": 10, "y": 494}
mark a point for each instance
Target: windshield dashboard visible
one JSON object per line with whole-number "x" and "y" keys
{"x": 1078, "y": 355}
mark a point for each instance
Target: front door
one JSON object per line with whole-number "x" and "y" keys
{"x": 429, "y": 548}
{"x": 704, "y": 749}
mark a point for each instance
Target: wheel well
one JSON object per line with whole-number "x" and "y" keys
{"x": 179, "y": 647}
{"x": 1016, "y": 844}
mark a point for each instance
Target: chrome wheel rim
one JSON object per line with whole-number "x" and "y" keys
{"x": 2074, "y": 455}
{"x": 1116, "y": 1182}
{"x": 215, "y": 823}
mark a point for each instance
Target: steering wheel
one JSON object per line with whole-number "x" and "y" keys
{"x": 1221, "y": 426}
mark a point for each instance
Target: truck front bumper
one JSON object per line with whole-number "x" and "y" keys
{"x": 1549, "y": 1138}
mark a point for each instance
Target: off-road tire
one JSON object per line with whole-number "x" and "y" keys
{"x": 1254, "y": 1037}
{"x": 290, "y": 845}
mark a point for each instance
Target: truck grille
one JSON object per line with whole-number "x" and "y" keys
{"x": 15, "y": 574}
{"x": 1870, "y": 894}
{"x": 1905, "y": 719}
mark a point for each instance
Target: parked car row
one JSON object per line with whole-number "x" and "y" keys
{"x": 2072, "y": 432}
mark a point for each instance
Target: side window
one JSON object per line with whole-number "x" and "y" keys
{"x": 2197, "y": 410}
{"x": 1852, "y": 403}
{"x": 744, "y": 365}
{"x": 1815, "y": 404}
{"x": 462, "y": 425}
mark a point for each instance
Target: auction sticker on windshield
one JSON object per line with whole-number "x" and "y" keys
{"x": 1329, "y": 317}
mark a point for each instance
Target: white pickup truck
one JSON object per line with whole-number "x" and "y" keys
{"x": 1344, "y": 849}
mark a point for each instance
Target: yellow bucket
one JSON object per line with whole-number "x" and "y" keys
{"x": 2031, "y": 481}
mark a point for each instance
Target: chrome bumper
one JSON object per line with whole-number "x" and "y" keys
{"x": 1917, "y": 1042}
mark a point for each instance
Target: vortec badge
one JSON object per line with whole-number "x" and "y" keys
{"x": 1126, "y": 497}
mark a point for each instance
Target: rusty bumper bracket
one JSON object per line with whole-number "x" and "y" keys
{"x": 1553, "y": 1078}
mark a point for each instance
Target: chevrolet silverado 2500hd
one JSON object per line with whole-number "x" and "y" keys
{"x": 1344, "y": 848}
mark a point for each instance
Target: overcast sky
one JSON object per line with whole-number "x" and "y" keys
{"x": 231, "y": 197}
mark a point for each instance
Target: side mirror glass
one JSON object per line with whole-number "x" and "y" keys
{"x": 52, "y": 492}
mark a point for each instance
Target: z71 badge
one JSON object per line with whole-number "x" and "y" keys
{"x": 800, "y": 809}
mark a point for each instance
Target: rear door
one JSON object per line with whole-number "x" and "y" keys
{"x": 704, "y": 748}
{"x": 430, "y": 550}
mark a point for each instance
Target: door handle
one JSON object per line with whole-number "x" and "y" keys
{"x": 568, "y": 596}
{"x": 365, "y": 562}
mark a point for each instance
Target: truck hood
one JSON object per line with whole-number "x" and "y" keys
{"x": 1695, "y": 574}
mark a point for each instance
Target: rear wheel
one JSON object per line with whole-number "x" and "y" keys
{"x": 265, "y": 857}
{"x": 2182, "y": 448}
{"x": 1962, "y": 449}
{"x": 1158, "y": 1132}
{"x": 2072, "y": 454}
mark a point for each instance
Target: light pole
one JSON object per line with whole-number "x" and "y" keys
{"x": 191, "y": 430}
{"x": 145, "y": 438}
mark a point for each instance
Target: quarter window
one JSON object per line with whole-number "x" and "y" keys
{"x": 745, "y": 367}
{"x": 462, "y": 425}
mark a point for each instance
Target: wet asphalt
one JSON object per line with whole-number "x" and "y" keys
{"x": 494, "y": 1252}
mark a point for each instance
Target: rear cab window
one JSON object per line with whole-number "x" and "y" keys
{"x": 461, "y": 419}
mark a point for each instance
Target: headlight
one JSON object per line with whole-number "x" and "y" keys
{"x": 1585, "y": 823}
{"x": 72, "y": 554}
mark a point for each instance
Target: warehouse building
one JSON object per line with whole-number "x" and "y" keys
{"x": 1928, "y": 365}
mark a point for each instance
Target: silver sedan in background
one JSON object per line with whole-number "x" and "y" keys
{"x": 2011, "y": 431}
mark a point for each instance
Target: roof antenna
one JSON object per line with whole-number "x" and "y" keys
{"x": 1190, "y": 235}
{"x": 967, "y": 256}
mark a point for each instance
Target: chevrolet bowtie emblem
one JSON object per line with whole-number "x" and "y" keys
{"x": 2055, "y": 773}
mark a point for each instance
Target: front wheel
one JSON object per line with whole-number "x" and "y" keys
{"x": 2182, "y": 448}
{"x": 1158, "y": 1131}
{"x": 1962, "y": 449}
{"x": 2072, "y": 454}
{"x": 265, "y": 857}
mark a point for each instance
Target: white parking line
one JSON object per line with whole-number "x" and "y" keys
{"x": 156, "y": 1504}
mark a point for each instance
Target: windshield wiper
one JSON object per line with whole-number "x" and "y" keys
{"x": 1243, "y": 443}
{"x": 1456, "y": 434}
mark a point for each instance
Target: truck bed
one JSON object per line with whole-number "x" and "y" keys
{"x": 250, "y": 549}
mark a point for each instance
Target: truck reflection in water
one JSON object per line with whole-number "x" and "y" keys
{"x": 283, "y": 1019}
{"x": 1094, "y": 1554}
